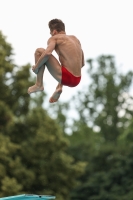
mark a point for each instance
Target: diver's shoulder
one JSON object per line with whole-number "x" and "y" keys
{"x": 73, "y": 36}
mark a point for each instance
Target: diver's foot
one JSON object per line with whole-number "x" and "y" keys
{"x": 35, "y": 88}
{"x": 56, "y": 95}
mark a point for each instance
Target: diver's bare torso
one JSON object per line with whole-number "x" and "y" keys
{"x": 70, "y": 53}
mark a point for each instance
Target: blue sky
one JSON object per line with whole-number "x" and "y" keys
{"x": 102, "y": 26}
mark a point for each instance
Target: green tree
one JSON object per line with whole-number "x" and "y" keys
{"x": 12, "y": 78}
{"x": 59, "y": 112}
{"x": 33, "y": 151}
{"x": 53, "y": 167}
{"x": 6, "y": 67}
{"x": 10, "y": 161}
{"x": 108, "y": 175}
{"x": 106, "y": 101}
{"x": 8, "y": 184}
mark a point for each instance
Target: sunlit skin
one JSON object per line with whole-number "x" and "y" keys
{"x": 70, "y": 55}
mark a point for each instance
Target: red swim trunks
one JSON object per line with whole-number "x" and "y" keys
{"x": 69, "y": 79}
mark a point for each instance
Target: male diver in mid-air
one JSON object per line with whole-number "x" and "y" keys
{"x": 67, "y": 71}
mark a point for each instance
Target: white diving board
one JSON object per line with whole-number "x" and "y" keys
{"x": 28, "y": 197}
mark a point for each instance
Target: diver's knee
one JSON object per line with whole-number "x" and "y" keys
{"x": 39, "y": 51}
